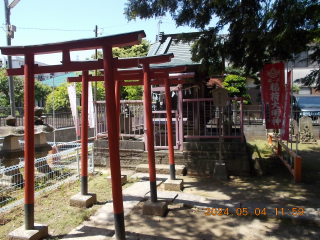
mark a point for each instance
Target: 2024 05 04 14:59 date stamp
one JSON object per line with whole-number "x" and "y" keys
{"x": 257, "y": 212}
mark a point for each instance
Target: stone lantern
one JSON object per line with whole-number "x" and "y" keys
{"x": 40, "y": 141}
{"x": 11, "y": 151}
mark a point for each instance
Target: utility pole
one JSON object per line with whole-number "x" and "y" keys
{"x": 10, "y": 34}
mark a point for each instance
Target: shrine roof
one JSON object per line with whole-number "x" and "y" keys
{"x": 168, "y": 44}
{"x": 118, "y": 40}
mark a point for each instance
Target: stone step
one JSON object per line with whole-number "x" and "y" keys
{"x": 161, "y": 169}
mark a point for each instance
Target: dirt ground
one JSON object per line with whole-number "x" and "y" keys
{"x": 276, "y": 187}
{"x": 192, "y": 223}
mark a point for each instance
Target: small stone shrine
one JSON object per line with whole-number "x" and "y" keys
{"x": 11, "y": 151}
{"x": 306, "y": 130}
{"x": 40, "y": 141}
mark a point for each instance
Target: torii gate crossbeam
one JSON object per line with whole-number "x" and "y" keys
{"x": 29, "y": 69}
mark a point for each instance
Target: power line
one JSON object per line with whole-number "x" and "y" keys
{"x": 72, "y": 30}
{"x": 56, "y": 29}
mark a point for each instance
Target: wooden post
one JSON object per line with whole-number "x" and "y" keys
{"x": 297, "y": 169}
{"x": 29, "y": 142}
{"x": 170, "y": 132}
{"x": 84, "y": 134}
{"x": 113, "y": 137}
{"x": 278, "y": 148}
{"x": 149, "y": 127}
{"x": 117, "y": 97}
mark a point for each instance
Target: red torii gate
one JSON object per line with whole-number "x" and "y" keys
{"x": 108, "y": 64}
{"x": 144, "y": 77}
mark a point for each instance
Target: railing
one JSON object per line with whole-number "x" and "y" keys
{"x": 131, "y": 119}
{"x": 203, "y": 119}
{"x": 251, "y": 117}
{"x": 61, "y": 120}
{"x": 293, "y": 163}
{"x": 160, "y": 129}
{"x": 51, "y": 171}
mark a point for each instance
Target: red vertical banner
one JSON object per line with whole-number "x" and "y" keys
{"x": 273, "y": 88}
{"x": 286, "y": 110}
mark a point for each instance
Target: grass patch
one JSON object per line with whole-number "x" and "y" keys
{"x": 260, "y": 149}
{"x": 52, "y": 208}
{"x": 309, "y": 154}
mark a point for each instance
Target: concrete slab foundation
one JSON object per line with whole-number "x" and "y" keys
{"x": 83, "y": 201}
{"x": 220, "y": 172}
{"x": 40, "y": 231}
{"x": 123, "y": 179}
{"x": 158, "y": 208}
{"x": 173, "y": 185}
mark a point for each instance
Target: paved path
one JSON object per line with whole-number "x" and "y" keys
{"x": 95, "y": 227}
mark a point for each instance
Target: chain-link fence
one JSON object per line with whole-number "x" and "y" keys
{"x": 62, "y": 164}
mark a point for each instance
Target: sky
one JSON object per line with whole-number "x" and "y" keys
{"x": 32, "y": 17}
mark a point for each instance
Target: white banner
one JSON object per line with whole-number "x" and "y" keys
{"x": 73, "y": 104}
{"x": 90, "y": 107}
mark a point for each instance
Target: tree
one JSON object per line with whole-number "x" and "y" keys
{"x": 129, "y": 92}
{"x": 236, "y": 86}
{"x": 258, "y": 31}
{"x": 61, "y": 98}
{"x": 41, "y": 91}
{"x": 314, "y": 76}
{"x": 4, "y": 89}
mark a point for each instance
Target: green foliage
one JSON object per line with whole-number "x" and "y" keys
{"x": 41, "y": 91}
{"x": 61, "y": 98}
{"x": 295, "y": 88}
{"x": 257, "y": 31}
{"x": 236, "y": 86}
{"x": 127, "y": 92}
{"x": 133, "y": 92}
{"x": 4, "y": 89}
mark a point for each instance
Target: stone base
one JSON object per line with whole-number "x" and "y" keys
{"x": 158, "y": 208}
{"x": 220, "y": 172}
{"x": 40, "y": 231}
{"x": 173, "y": 185}
{"x": 123, "y": 179}
{"x": 83, "y": 201}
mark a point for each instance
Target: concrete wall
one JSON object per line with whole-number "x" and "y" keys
{"x": 255, "y": 132}
{"x": 198, "y": 157}
{"x": 66, "y": 135}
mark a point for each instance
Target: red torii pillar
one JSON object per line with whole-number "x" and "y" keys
{"x": 113, "y": 137}
{"x": 149, "y": 129}
{"x": 84, "y": 134}
{"x": 30, "y": 69}
{"x": 29, "y": 141}
{"x": 170, "y": 133}
{"x": 146, "y": 75}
